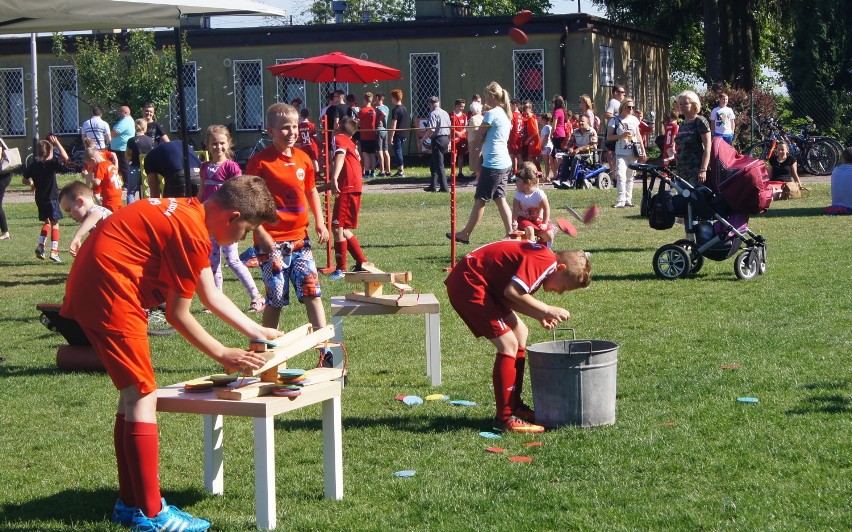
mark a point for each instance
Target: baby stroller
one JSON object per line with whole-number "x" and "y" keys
{"x": 582, "y": 171}
{"x": 714, "y": 230}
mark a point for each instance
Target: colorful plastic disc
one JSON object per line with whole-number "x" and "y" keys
{"x": 460, "y": 402}
{"x": 748, "y": 399}
{"x": 412, "y": 400}
{"x": 437, "y": 397}
{"x": 495, "y": 449}
{"x": 524, "y": 459}
{"x": 533, "y": 444}
{"x": 291, "y": 373}
{"x": 490, "y": 435}
{"x": 405, "y": 473}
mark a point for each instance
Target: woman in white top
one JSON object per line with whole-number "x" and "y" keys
{"x": 624, "y": 129}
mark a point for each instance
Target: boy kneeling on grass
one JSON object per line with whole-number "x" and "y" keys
{"x": 148, "y": 253}
{"x": 78, "y": 201}
{"x": 488, "y": 286}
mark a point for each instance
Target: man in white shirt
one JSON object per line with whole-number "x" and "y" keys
{"x": 722, "y": 119}
{"x": 612, "y": 110}
{"x": 96, "y": 129}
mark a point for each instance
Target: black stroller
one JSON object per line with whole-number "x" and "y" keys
{"x": 713, "y": 230}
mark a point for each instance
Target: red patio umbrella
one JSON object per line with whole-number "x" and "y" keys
{"x": 335, "y": 66}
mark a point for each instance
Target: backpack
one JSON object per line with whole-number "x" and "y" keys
{"x": 661, "y": 214}
{"x": 610, "y": 144}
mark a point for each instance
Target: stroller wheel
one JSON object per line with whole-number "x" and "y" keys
{"x": 604, "y": 182}
{"x": 672, "y": 262}
{"x": 696, "y": 260}
{"x": 747, "y": 264}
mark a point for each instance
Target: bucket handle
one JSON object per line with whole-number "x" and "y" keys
{"x": 573, "y": 332}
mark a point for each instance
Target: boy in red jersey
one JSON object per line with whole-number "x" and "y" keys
{"x": 346, "y": 185}
{"x": 283, "y": 247}
{"x": 148, "y": 253}
{"x": 493, "y": 282}
{"x": 307, "y": 137}
{"x": 516, "y": 138}
{"x": 672, "y": 127}
{"x": 459, "y": 120}
{"x": 367, "y": 119}
{"x": 104, "y": 177}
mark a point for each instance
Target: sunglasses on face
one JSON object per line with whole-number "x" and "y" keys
{"x": 630, "y": 106}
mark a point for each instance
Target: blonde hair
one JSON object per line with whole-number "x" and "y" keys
{"x": 528, "y": 173}
{"x": 501, "y": 95}
{"x": 587, "y": 101}
{"x": 141, "y": 125}
{"x": 219, "y": 129}
{"x": 75, "y": 189}
{"x": 692, "y": 98}
{"x": 281, "y": 110}
{"x": 577, "y": 265}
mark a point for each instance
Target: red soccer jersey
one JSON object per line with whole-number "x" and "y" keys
{"x": 669, "y": 143}
{"x": 459, "y": 120}
{"x": 531, "y": 135}
{"x": 307, "y": 136}
{"x": 367, "y": 118}
{"x": 349, "y": 179}
{"x": 490, "y": 268}
{"x": 289, "y": 179}
{"x": 132, "y": 261}
{"x": 110, "y": 185}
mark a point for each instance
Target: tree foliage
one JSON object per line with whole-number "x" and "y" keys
{"x": 124, "y": 69}
{"x": 319, "y": 11}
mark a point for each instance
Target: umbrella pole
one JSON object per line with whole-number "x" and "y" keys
{"x": 452, "y": 199}
{"x": 329, "y": 253}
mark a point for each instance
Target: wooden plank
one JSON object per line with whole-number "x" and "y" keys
{"x": 381, "y": 277}
{"x": 408, "y": 300}
{"x": 258, "y": 389}
{"x": 295, "y": 345}
{"x": 403, "y": 286}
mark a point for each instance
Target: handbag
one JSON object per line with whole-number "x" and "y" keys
{"x": 610, "y": 144}
{"x": 790, "y": 190}
{"x": 11, "y": 160}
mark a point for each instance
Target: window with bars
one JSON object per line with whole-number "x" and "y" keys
{"x": 190, "y": 92}
{"x": 248, "y": 95}
{"x": 288, "y": 89}
{"x": 651, "y": 100}
{"x": 64, "y": 104}
{"x": 528, "y": 68}
{"x": 606, "y": 66}
{"x": 12, "y": 115}
{"x": 633, "y": 88}
{"x": 425, "y": 76}
{"x": 325, "y": 88}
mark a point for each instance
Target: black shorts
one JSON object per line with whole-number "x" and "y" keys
{"x": 49, "y": 209}
{"x": 368, "y": 146}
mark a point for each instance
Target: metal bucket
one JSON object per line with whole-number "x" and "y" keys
{"x": 573, "y": 382}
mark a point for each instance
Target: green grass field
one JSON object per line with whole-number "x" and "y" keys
{"x": 683, "y": 453}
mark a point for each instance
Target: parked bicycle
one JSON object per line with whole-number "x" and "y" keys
{"x": 247, "y": 152}
{"x": 818, "y": 155}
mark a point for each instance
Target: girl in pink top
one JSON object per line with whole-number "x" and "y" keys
{"x": 559, "y": 132}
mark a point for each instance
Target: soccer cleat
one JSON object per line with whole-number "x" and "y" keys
{"x": 39, "y": 253}
{"x": 170, "y": 519}
{"x": 524, "y": 412}
{"x": 361, "y": 268}
{"x": 518, "y": 425}
{"x": 122, "y": 514}
{"x": 336, "y": 274}
{"x": 55, "y": 257}
{"x": 399, "y": 173}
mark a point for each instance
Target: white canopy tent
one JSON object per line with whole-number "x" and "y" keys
{"x": 48, "y": 16}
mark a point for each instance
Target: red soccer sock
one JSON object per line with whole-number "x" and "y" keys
{"x": 125, "y": 485}
{"x": 355, "y": 250}
{"x": 141, "y": 449}
{"x": 520, "y": 364}
{"x": 54, "y": 239}
{"x": 503, "y": 377}
{"x": 45, "y": 230}
{"x": 340, "y": 255}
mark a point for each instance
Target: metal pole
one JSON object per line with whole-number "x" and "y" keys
{"x": 184, "y": 130}
{"x": 34, "y": 86}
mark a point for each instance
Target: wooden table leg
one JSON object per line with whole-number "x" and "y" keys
{"x": 214, "y": 463}
{"x": 433, "y": 348}
{"x": 264, "y": 472}
{"x": 332, "y": 448}
{"x": 337, "y": 322}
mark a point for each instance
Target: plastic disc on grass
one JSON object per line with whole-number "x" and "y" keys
{"x": 522, "y": 17}
{"x": 460, "y": 402}
{"x": 490, "y": 435}
{"x": 399, "y": 397}
{"x": 731, "y": 366}
{"x": 412, "y": 400}
{"x": 437, "y": 397}
{"x": 748, "y": 399}
{"x": 533, "y": 444}
{"x": 566, "y": 227}
{"x": 518, "y": 36}
{"x": 522, "y": 459}
{"x": 495, "y": 450}
{"x": 405, "y": 473}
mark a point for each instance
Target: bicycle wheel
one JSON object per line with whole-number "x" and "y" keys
{"x": 836, "y": 144}
{"x": 820, "y": 158}
{"x": 761, "y": 150}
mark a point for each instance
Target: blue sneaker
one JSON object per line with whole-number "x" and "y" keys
{"x": 123, "y": 514}
{"x": 170, "y": 519}
{"x": 336, "y": 274}
{"x": 39, "y": 251}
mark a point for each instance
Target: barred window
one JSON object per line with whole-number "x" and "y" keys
{"x": 425, "y": 76}
{"x": 634, "y": 90}
{"x": 288, "y": 89}
{"x": 326, "y": 88}
{"x": 190, "y": 93}
{"x": 12, "y": 105}
{"x": 248, "y": 95}
{"x": 606, "y": 66}
{"x": 528, "y": 67}
{"x": 64, "y": 104}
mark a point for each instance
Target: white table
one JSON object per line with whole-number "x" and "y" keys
{"x": 263, "y": 410}
{"x": 427, "y": 304}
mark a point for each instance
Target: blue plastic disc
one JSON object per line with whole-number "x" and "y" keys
{"x": 412, "y": 400}
{"x": 462, "y": 403}
{"x": 748, "y": 399}
{"x": 405, "y": 473}
{"x": 490, "y": 435}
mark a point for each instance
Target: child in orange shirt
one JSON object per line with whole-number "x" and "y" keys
{"x": 493, "y": 282}
{"x": 346, "y": 185}
{"x": 103, "y": 175}
{"x": 150, "y": 252}
{"x": 283, "y": 247}
{"x": 531, "y": 150}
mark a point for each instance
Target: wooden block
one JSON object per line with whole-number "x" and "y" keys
{"x": 407, "y": 300}
{"x": 381, "y": 277}
{"x": 373, "y": 289}
{"x": 403, "y": 286}
{"x": 293, "y": 343}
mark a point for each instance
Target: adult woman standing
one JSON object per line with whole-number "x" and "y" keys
{"x": 624, "y": 129}
{"x": 559, "y": 132}
{"x": 692, "y": 142}
{"x": 475, "y": 138}
{"x": 496, "y": 163}
{"x": 5, "y": 179}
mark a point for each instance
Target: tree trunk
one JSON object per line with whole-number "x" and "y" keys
{"x": 739, "y": 36}
{"x": 712, "y": 42}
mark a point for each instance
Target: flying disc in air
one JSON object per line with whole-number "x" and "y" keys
{"x": 522, "y": 17}
{"x": 518, "y": 36}
{"x": 591, "y": 213}
{"x": 566, "y": 227}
